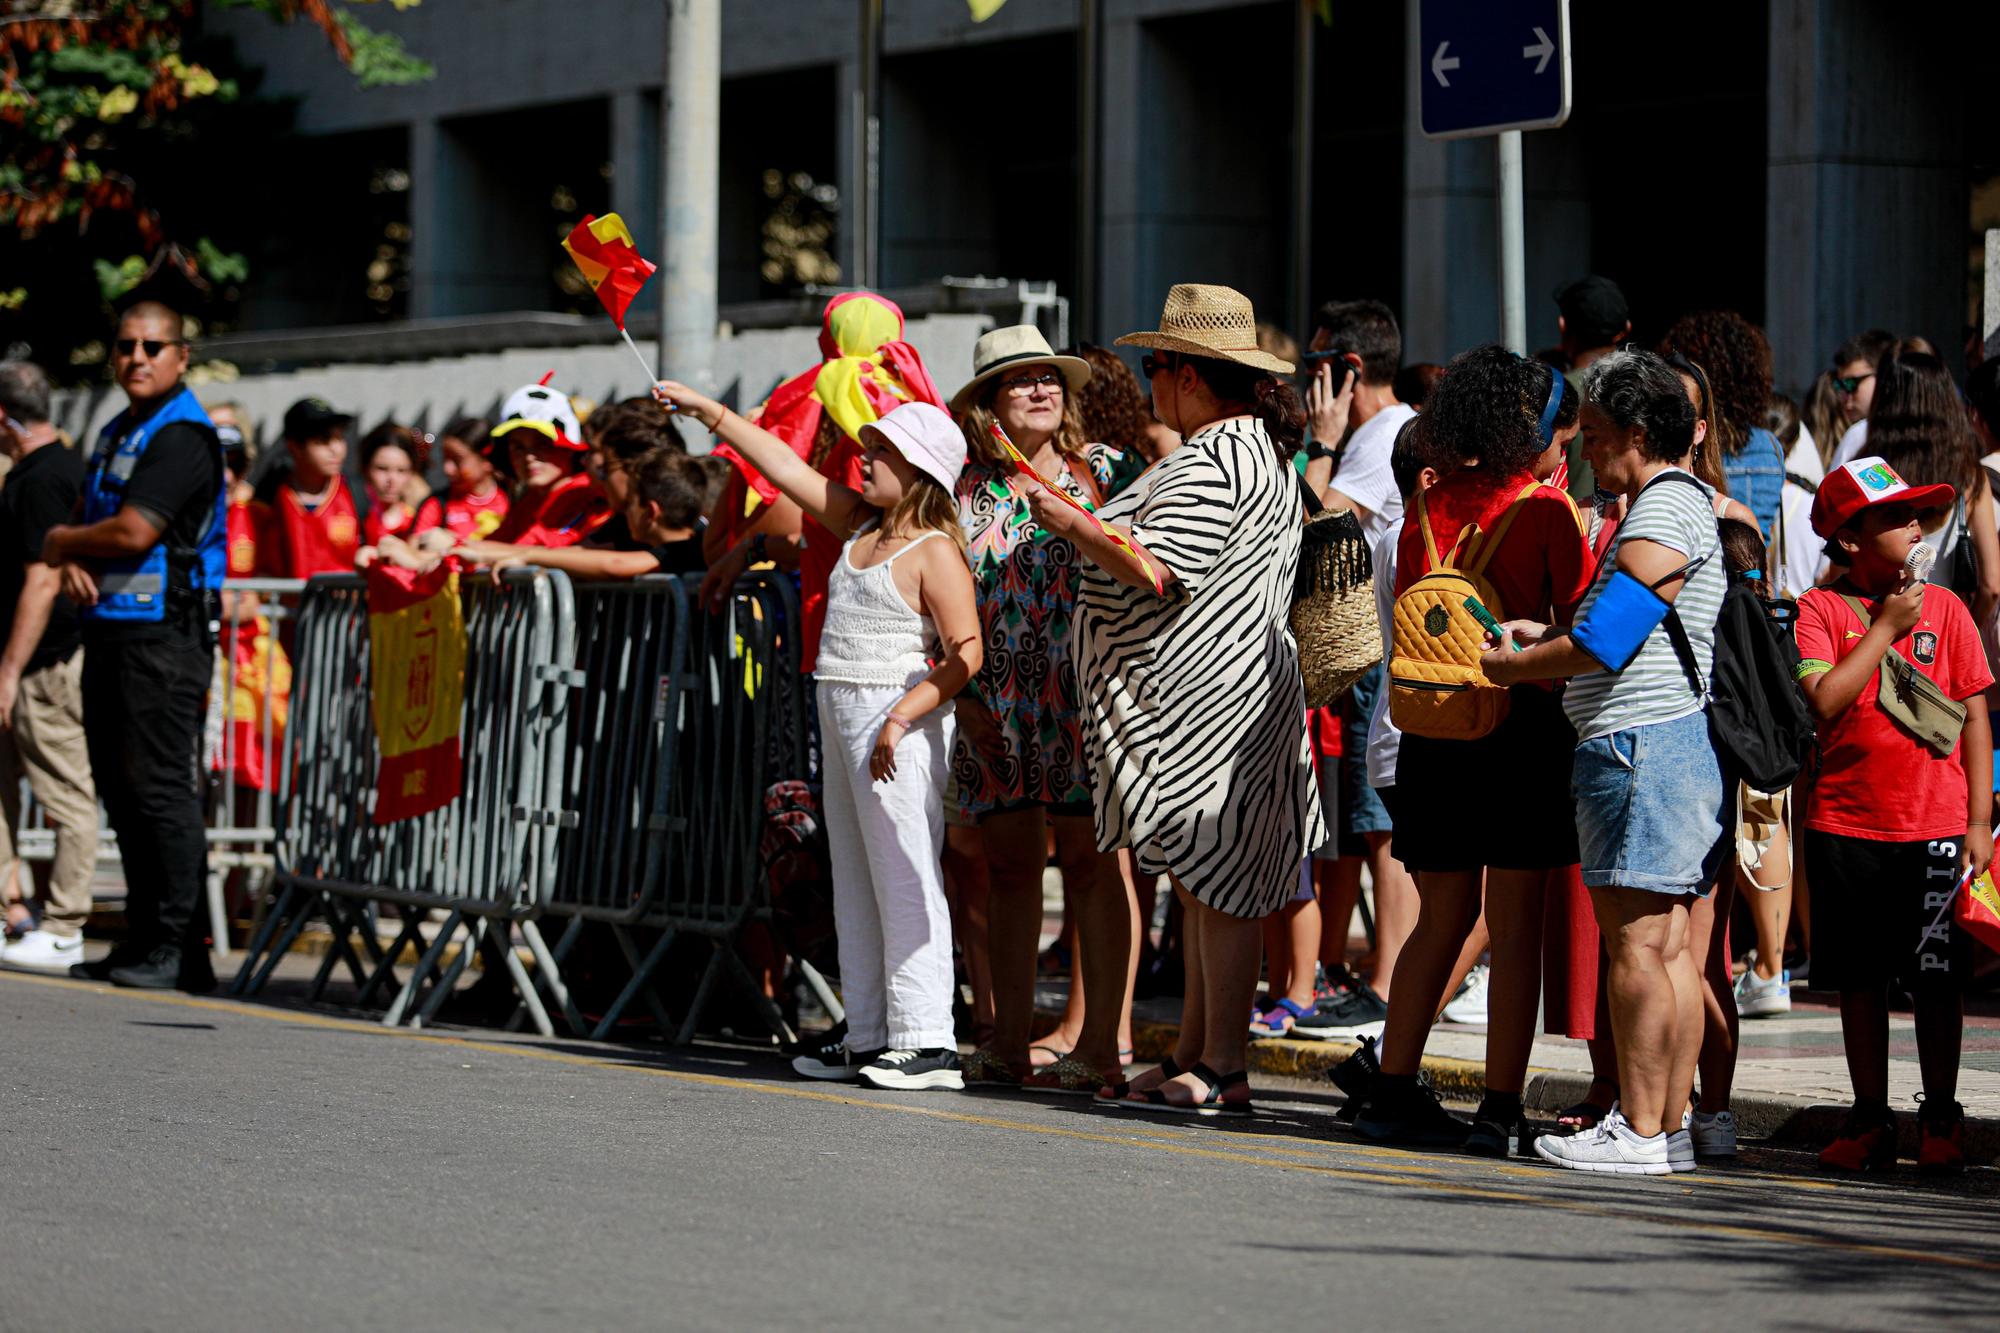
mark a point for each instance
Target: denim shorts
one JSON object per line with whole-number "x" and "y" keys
{"x": 1649, "y": 808}
{"x": 1361, "y": 811}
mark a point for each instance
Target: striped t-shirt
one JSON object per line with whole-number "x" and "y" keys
{"x": 1654, "y": 688}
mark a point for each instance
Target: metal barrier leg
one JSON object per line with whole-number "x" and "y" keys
{"x": 823, "y": 992}
{"x": 268, "y": 927}
{"x": 548, "y": 980}
{"x": 641, "y": 983}
{"x": 448, "y": 979}
{"x": 425, "y": 966}
{"x": 499, "y": 950}
{"x": 773, "y": 1017}
{"x": 701, "y": 992}
{"x": 218, "y": 916}
{"x": 385, "y": 970}
{"x": 304, "y": 904}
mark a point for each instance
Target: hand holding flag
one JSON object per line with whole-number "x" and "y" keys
{"x": 608, "y": 258}
{"x": 1117, "y": 538}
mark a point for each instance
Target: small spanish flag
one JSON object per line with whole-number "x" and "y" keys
{"x": 416, "y": 648}
{"x": 610, "y": 261}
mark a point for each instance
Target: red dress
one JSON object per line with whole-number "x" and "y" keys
{"x": 571, "y": 511}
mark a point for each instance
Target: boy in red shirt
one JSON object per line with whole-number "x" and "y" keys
{"x": 1894, "y": 822}
{"x": 311, "y": 524}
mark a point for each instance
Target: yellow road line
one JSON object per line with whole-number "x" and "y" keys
{"x": 1247, "y": 1148}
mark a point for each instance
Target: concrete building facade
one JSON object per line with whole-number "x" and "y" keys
{"x": 1808, "y": 162}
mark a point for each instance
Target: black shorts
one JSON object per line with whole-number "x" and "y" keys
{"x": 1882, "y": 913}
{"x": 1502, "y": 801}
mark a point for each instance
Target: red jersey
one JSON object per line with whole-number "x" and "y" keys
{"x": 1542, "y": 568}
{"x": 1876, "y": 780}
{"x": 391, "y": 519}
{"x": 244, "y": 520}
{"x": 822, "y": 551}
{"x": 468, "y": 517}
{"x": 571, "y": 511}
{"x": 297, "y": 543}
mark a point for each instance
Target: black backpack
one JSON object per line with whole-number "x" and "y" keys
{"x": 1757, "y": 718}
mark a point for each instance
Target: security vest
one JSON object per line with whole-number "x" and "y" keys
{"x": 134, "y": 589}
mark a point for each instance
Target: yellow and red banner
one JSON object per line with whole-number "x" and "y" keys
{"x": 260, "y": 672}
{"x": 416, "y": 647}
{"x": 1118, "y": 539}
{"x": 610, "y": 262}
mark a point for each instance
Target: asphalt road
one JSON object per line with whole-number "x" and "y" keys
{"x": 176, "y": 1163}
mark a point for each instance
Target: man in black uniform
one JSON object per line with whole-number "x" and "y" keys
{"x": 144, "y": 564}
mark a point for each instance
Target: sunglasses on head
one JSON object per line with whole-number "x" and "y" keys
{"x": 1153, "y": 365}
{"x": 153, "y": 346}
{"x": 1849, "y": 383}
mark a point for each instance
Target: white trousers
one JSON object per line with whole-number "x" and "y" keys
{"x": 886, "y": 839}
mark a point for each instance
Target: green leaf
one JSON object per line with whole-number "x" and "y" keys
{"x": 218, "y": 266}
{"x": 114, "y": 280}
{"x": 380, "y": 58}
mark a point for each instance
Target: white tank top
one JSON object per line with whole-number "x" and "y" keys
{"x": 871, "y": 636}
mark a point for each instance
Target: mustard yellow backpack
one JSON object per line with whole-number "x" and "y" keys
{"x": 1436, "y": 685}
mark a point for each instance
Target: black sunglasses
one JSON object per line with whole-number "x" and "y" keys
{"x": 1849, "y": 383}
{"x": 153, "y": 346}
{"x": 1153, "y": 365}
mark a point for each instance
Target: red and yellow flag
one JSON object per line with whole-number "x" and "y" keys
{"x": 1118, "y": 539}
{"x": 610, "y": 262}
{"x": 416, "y": 646}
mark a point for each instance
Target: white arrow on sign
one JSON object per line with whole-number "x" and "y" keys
{"x": 1545, "y": 50}
{"x": 1440, "y": 62}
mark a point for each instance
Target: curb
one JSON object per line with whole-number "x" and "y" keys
{"x": 1776, "y": 1117}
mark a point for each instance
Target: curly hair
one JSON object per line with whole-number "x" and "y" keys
{"x": 1488, "y": 408}
{"x": 1113, "y": 406}
{"x": 1737, "y": 359}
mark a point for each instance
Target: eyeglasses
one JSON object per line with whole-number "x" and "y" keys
{"x": 1023, "y": 385}
{"x": 153, "y": 346}
{"x": 1153, "y": 365}
{"x": 1849, "y": 383}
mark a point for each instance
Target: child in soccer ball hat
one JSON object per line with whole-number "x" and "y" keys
{"x": 557, "y": 504}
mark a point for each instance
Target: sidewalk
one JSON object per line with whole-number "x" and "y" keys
{"x": 1791, "y": 1078}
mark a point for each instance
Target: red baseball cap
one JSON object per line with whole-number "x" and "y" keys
{"x": 1863, "y": 484}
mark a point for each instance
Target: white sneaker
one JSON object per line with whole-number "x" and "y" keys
{"x": 1681, "y": 1152}
{"x": 1714, "y": 1135}
{"x": 43, "y": 951}
{"x": 1611, "y": 1148}
{"x": 1758, "y": 998}
{"x": 1469, "y": 1004}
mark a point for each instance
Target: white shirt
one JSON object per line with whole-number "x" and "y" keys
{"x": 1803, "y": 558}
{"x": 1804, "y": 460}
{"x": 1384, "y": 740}
{"x": 1364, "y": 476}
{"x": 1852, "y": 443}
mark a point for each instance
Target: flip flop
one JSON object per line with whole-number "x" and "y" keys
{"x": 1279, "y": 1019}
{"x": 1116, "y": 1093}
{"x": 1211, "y": 1105}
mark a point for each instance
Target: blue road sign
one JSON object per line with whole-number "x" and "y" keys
{"x": 1492, "y": 65}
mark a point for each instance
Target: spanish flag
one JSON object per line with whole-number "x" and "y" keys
{"x": 610, "y": 261}
{"x": 416, "y": 647}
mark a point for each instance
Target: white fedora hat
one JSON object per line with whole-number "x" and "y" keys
{"x": 1016, "y": 345}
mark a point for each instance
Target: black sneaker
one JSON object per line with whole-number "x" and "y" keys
{"x": 1413, "y": 1120}
{"x": 1495, "y": 1133}
{"x": 833, "y": 1062}
{"x": 1359, "y": 1012}
{"x": 121, "y": 955}
{"x": 160, "y": 971}
{"x": 913, "y": 1071}
{"x": 1356, "y": 1077}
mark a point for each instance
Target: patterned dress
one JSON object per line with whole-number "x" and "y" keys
{"x": 1027, "y": 586}
{"x": 1196, "y": 713}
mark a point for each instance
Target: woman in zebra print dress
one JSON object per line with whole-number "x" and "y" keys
{"x": 1194, "y": 708}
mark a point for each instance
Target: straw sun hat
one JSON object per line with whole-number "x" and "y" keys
{"x": 1215, "y": 322}
{"x": 1002, "y": 350}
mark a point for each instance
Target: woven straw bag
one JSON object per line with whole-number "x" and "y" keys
{"x": 1333, "y": 603}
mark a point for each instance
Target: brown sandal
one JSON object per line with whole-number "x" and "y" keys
{"x": 1068, "y": 1074}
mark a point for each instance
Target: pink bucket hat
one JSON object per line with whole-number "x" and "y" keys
{"x": 926, "y": 437}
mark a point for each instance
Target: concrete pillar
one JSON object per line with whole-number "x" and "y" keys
{"x": 689, "y": 251}
{"x": 635, "y": 173}
{"x": 1866, "y": 200}
{"x": 442, "y": 175}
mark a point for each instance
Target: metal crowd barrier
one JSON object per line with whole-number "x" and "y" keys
{"x": 486, "y": 861}
{"x": 683, "y": 721}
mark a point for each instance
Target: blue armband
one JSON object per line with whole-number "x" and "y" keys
{"x": 1622, "y": 618}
